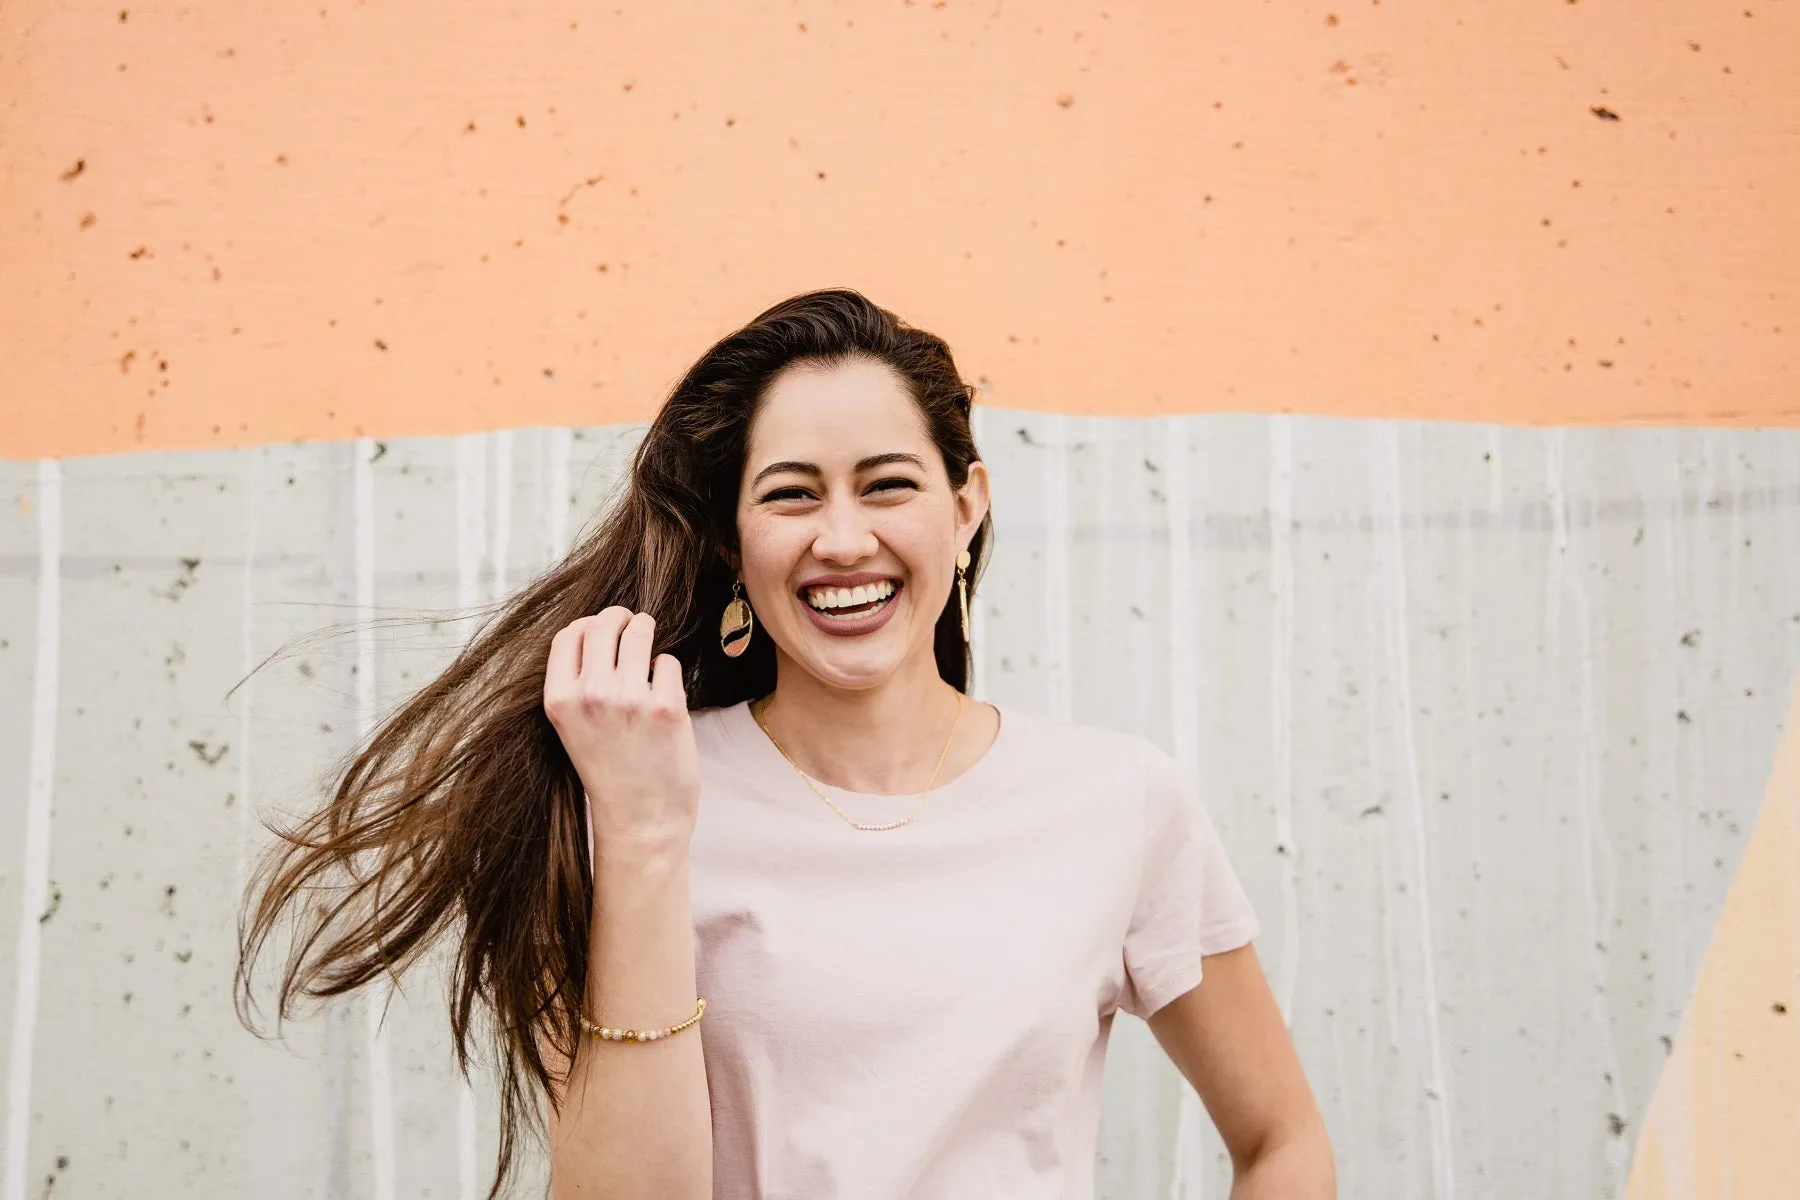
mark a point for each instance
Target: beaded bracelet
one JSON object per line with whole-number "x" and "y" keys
{"x": 642, "y": 1035}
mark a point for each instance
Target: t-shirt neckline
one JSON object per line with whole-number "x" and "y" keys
{"x": 744, "y": 730}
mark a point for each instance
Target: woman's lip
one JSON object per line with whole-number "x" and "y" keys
{"x": 853, "y": 626}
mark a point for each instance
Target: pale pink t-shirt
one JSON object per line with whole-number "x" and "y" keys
{"x": 922, "y": 1013}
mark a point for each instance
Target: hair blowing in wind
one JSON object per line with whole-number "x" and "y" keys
{"x": 462, "y": 818}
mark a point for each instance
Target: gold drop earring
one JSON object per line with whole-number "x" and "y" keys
{"x": 737, "y": 623}
{"x": 962, "y": 590}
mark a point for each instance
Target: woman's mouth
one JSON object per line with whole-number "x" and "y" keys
{"x": 851, "y": 610}
{"x": 839, "y": 602}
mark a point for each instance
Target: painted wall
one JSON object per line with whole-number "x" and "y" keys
{"x": 1487, "y": 712}
{"x": 226, "y": 224}
{"x": 1484, "y": 715}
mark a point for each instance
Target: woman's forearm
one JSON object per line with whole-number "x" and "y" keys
{"x": 635, "y": 1120}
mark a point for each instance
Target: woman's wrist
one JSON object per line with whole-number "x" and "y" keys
{"x": 648, "y": 853}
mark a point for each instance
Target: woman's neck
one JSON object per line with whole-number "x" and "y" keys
{"x": 884, "y": 739}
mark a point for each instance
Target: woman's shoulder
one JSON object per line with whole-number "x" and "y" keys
{"x": 1060, "y": 741}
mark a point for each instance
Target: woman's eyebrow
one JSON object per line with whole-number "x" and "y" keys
{"x": 882, "y": 460}
{"x": 862, "y": 464}
{"x": 779, "y": 468}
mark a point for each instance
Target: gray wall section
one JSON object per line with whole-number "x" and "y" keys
{"x": 1483, "y": 714}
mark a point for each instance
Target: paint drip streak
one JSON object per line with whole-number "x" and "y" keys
{"x": 1281, "y": 587}
{"x": 251, "y": 482}
{"x": 381, "y": 1099}
{"x": 471, "y": 519}
{"x": 503, "y": 486}
{"x": 1188, "y": 1179}
{"x": 1057, "y": 540}
{"x": 557, "y": 451}
{"x": 34, "y": 884}
{"x": 252, "y": 485}
{"x": 1437, "y": 1086}
{"x": 1598, "y": 875}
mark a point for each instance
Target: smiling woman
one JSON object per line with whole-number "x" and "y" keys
{"x": 906, "y": 990}
{"x": 848, "y": 526}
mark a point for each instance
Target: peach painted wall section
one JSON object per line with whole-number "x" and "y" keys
{"x": 223, "y": 224}
{"x": 1728, "y": 1102}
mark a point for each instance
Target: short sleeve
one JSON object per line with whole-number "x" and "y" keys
{"x": 1189, "y": 903}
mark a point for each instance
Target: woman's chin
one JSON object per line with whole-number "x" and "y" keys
{"x": 850, "y": 664}
{"x": 852, "y": 672}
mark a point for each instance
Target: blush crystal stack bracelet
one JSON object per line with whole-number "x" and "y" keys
{"x": 643, "y": 1035}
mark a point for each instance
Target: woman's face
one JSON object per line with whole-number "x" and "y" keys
{"x": 847, "y": 525}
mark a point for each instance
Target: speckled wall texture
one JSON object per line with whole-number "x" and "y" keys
{"x": 315, "y": 307}
{"x": 1484, "y": 714}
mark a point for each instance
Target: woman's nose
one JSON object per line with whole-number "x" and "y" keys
{"x": 844, "y": 535}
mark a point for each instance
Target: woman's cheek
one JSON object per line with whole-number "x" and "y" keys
{"x": 920, "y": 543}
{"x": 769, "y": 552}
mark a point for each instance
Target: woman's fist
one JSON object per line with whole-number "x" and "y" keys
{"x": 624, "y": 722}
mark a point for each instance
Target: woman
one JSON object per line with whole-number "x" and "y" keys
{"x": 753, "y": 893}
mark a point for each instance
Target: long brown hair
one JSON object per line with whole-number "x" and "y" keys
{"x": 462, "y": 814}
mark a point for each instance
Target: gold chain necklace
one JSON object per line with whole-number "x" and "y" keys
{"x": 907, "y": 820}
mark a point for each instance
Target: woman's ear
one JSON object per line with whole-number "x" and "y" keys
{"x": 972, "y": 502}
{"x": 731, "y": 559}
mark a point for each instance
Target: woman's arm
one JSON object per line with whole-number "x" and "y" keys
{"x": 1227, "y": 1037}
{"x": 635, "y": 1120}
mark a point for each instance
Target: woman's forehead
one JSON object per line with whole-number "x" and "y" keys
{"x": 840, "y": 412}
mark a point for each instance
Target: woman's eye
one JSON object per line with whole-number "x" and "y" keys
{"x": 786, "y": 493}
{"x": 888, "y": 485}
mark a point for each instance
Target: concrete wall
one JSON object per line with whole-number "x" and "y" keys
{"x": 1506, "y": 683}
{"x": 1483, "y": 713}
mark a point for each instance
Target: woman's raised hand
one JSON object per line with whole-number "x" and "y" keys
{"x": 624, "y": 722}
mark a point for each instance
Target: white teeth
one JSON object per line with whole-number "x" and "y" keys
{"x": 826, "y": 598}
